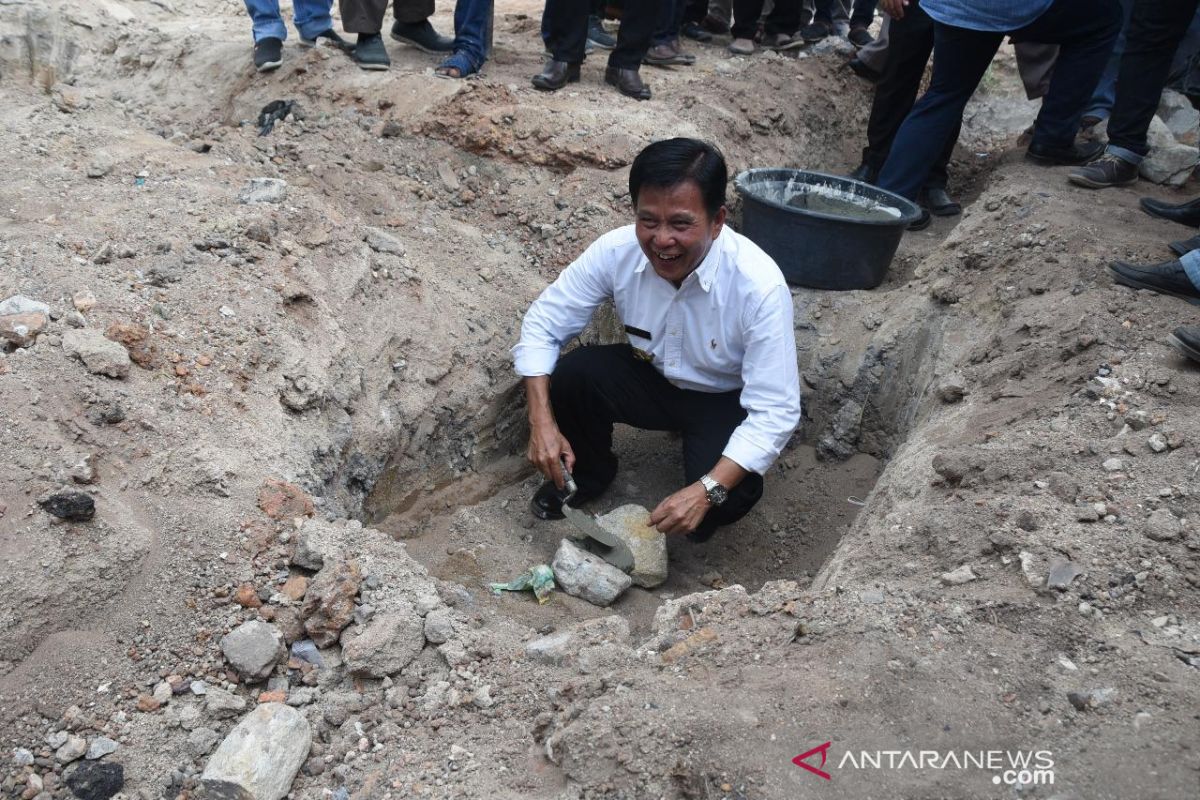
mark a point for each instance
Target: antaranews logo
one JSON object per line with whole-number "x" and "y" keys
{"x": 1010, "y": 767}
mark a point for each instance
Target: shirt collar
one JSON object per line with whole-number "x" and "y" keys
{"x": 706, "y": 273}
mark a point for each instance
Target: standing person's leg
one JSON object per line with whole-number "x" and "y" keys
{"x": 783, "y": 22}
{"x": 960, "y": 58}
{"x": 1105, "y": 95}
{"x": 822, "y": 21}
{"x": 633, "y": 40}
{"x": 870, "y": 60}
{"x": 746, "y": 14}
{"x": 1155, "y": 30}
{"x": 265, "y": 20}
{"x": 694, "y": 13}
{"x": 269, "y": 32}
{"x": 365, "y": 17}
{"x": 664, "y": 44}
{"x": 565, "y": 31}
{"x": 860, "y": 21}
{"x": 910, "y": 44}
{"x": 1085, "y": 31}
{"x": 471, "y": 20}
{"x": 314, "y": 22}
{"x": 412, "y": 27}
{"x": 710, "y": 419}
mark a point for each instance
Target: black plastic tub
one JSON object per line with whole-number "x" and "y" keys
{"x": 824, "y": 231}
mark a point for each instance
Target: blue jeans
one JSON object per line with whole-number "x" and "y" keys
{"x": 471, "y": 20}
{"x": 1106, "y": 91}
{"x": 1191, "y": 266}
{"x": 1084, "y": 31}
{"x": 310, "y": 18}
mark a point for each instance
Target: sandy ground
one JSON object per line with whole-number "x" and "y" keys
{"x": 290, "y": 340}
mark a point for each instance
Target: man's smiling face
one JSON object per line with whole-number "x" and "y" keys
{"x": 674, "y": 229}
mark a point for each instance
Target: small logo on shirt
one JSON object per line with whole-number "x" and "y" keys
{"x": 713, "y": 344}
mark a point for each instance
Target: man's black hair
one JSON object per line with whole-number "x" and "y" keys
{"x": 670, "y": 162}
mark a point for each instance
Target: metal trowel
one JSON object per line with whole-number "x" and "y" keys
{"x": 599, "y": 541}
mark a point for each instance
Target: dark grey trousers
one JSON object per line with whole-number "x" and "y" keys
{"x": 366, "y": 16}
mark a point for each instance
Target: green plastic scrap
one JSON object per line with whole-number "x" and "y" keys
{"x": 540, "y": 579}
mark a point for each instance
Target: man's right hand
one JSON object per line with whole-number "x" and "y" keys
{"x": 547, "y": 450}
{"x": 893, "y": 8}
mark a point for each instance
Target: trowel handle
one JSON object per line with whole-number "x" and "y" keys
{"x": 568, "y": 481}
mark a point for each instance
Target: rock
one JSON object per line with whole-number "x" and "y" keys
{"x": 392, "y": 130}
{"x": 1157, "y": 443}
{"x": 99, "y": 168}
{"x": 73, "y": 750}
{"x": 253, "y": 649}
{"x": 136, "y": 341}
{"x": 329, "y": 605}
{"x": 1091, "y": 698}
{"x": 20, "y": 304}
{"x": 1178, "y": 115}
{"x": 294, "y": 588}
{"x": 260, "y": 757}
{"x": 306, "y": 650}
{"x": 383, "y": 242}
{"x": 263, "y": 190}
{"x": 1168, "y": 162}
{"x": 1062, "y": 572}
{"x": 554, "y": 649}
{"x": 446, "y": 174}
{"x": 833, "y": 44}
{"x": 147, "y": 704}
{"x": 273, "y": 696}
{"x": 386, "y": 644}
{"x": 287, "y": 619}
{"x": 952, "y": 389}
{"x": 1063, "y": 486}
{"x": 22, "y": 330}
{"x": 100, "y": 747}
{"x": 222, "y": 704}
{"x": 96, "y": 780}
{"x": 587, "y": 576}
{"x": 958, "y": 577}
{"x": 69, "y": 505}
{"x": 280, "y": 500}
{"x": 439, "y": 626}
{"x": 163, "y": 693}
{"x": 189, "y": 717}
{"x": 22, "y": 757}
{"x": 246, "y": 596}
{"x": 201, "y": 741}
{"x": 57, "y": 739}
{"x": 100, "y": 355}
{"x": 629, "y": 523}
{"x": 309, "y": 552}
{"x": 871, "y": 597}
{"x": 1163, "y": 526}
{"x": 1113, "y": 465}
{"x": 1086, "y": 512}
{"x": 84, "y": 301}
{"x": 1137, "y": 419}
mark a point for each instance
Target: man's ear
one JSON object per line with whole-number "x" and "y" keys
{"x": 718, "y": 221}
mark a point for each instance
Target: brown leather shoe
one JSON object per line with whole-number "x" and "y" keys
{"x": 555, "y": 75}
{"x": 628, "y": 82}
{"x": 663, "y": 55}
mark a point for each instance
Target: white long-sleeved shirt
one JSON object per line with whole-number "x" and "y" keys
{"x": 727, "y": 327}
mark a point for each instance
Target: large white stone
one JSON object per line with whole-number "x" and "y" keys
{"x": 630, "y": 524}
{"x": 260, "y": 757}
{"x": 586, "y": 575}
{"x": 253, "y": 649}
{"x": 1169, "y": 162}
{"x": 1180, "y": 116}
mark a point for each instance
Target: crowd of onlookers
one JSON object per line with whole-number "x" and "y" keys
{"x": 1093, "y": 63}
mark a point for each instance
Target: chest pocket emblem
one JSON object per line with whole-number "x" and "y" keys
{"x": 713, "y": 344}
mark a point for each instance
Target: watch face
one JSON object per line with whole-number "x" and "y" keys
{"x": 718, "y": 495}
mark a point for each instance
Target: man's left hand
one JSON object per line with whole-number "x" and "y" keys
{"x": 683, "y": 511}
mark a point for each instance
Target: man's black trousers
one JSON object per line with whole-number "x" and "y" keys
{"x": 594, "y": 387}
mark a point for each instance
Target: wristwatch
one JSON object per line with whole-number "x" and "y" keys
{"x": 717, "y": 494}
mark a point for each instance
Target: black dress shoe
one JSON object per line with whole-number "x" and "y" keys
{"x": 921, "y": 222}
{"x": 422, "y": 36}
{"x": 628, "y": 82}
{"x": 695, "y": 32}
{"x": 1186, "y": 246}
{"x": 370, "y": 53}
{"x": 865, "y": 173}
{"x": 1187, "y": 340}
{"x": 555, "y": 75}
{"x": 1073, "y": 155}
{"x": 863, "y": 71}
{"x": 1184, "y": 213}
{"x": 1165, "y": 278}
{"x": 938, "y": 202}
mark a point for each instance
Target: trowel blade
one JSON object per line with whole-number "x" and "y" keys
{"x": 603, "y": 543}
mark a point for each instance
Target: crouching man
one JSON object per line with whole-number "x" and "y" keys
{"x": 711, "y": 349}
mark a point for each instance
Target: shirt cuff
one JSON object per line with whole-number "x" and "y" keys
{"x": 531, "y": 361}
{"x": 748, "y": 454}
